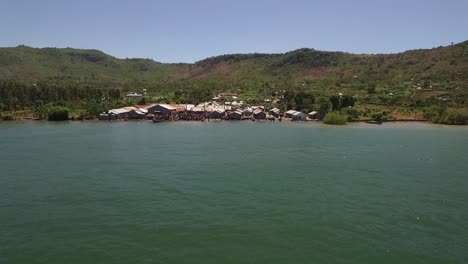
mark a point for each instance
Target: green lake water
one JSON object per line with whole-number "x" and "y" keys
{"x": 221, "y": 192}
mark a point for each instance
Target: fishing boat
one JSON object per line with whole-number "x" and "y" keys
{"x": 374, "y": 122}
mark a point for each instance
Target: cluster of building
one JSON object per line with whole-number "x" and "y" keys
{"x": 219, "y": 108}
{"x": 200, "y": 112}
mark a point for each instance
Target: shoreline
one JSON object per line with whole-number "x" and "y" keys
{"x": 360, "y": 123}
{"x": 285, "y": 120}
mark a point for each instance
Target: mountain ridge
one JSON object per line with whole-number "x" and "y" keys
{"x": 441, "y": 64}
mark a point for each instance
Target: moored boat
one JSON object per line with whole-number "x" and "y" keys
{"x": 374, "y": 122}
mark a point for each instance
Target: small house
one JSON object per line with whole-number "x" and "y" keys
{"x": 289, "y": 113}
{"x": 235, "y": 115}
{"x": 135, "y": 113}
{"x": 275, "y": 112}
{"x": 119, "y": 112}
{"x": 259, "y": 114}
{"x": 299, "y": 116}
{"x": 183, "y": 107}
{"x": 247, "y": 112}
{"x": 163, "y": 109}
{"x": 313, "y": 115}
{"x": 217, "y": 114}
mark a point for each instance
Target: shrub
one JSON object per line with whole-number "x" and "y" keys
{"x": 335, "y": 118}
{"x": 58, "y": 113}
{"x": 352, "y": 113}
{"x": 8, "y": 118}
{"x": 380, "y": 116}
{"x": 455, "y": 118}
{"x": 441, "y": 115}
{"x": 435, "y": 113}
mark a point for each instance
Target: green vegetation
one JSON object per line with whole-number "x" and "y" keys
{"x": 380, "y": 116}
{"x": 8, "y": 118}
{"x": 405, "y": 85}
{"x": 441, "y": 115}
{"x": 58, "y": 113}
{"x": 301, "y": 101}
{"x": 335, "y": 118}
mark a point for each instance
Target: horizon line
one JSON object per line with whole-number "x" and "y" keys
{"x": 239, "y": 53}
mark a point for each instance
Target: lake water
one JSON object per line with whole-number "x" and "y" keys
{"x": 136, "y": 192}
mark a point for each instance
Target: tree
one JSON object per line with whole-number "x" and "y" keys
{"x": 142, "y": 101}
{"x": 40, "y": 109}
{"x": 14, "y": 104}
{"x": 324, "y": 106}
{"x": 335, "y": 100}
{"x": 200, "y": 94}
{"x": 380, "y": 116}
{"x": 304, "y": 101}
{"x": 58, "y": 113}
{"x": 353, "y": 114}
{"x": 347, "y": 101}
{"x": 335, "y": 118}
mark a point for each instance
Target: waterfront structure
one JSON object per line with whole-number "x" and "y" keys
{"x": 234, "y": 115}
{"x": 289, "y": 113}
{"x": 275, "y": 112}
{"x": 217, "y": 114}
{"x": 164, "y": 109}
{"x": 312, "y": 115}
{"x": 299, "y": 116}
{"x": 247, "y": 112}
{"x": 259, "y": 114}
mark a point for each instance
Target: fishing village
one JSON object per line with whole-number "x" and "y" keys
{"x": 224, "y": 106}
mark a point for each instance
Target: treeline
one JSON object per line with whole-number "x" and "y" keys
{"x": 440, "y": 114}
{"x": 306, "y": 102}
{"x": 16, "y": 95}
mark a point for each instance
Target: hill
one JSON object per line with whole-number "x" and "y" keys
{"x": 32, "y": 64}
{"x": 413, "y": 80}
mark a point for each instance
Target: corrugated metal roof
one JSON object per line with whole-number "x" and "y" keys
{"x": 118, "y": 111}
{"x": 276, "y": 110}
{"x": 196, "y": 109}
{"x": 203, "y": 104}
{"x": 168, "y": 107}
{"x": 298, "y": 113}
{"x": 130, "y": 108}
{"x": 221, "y": 111}
{"x": 258, "y": 111}
{"x": 235, "y": 112}
{"x": 139, "y": 112}
{"x": 183, "y": 107}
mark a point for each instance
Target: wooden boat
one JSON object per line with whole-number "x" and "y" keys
{"x": 374, "y": 122}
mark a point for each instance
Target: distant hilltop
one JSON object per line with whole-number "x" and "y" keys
{"x": 28, "y": 64}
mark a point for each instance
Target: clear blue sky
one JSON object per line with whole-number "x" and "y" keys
{"x": 190, "y": 30}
